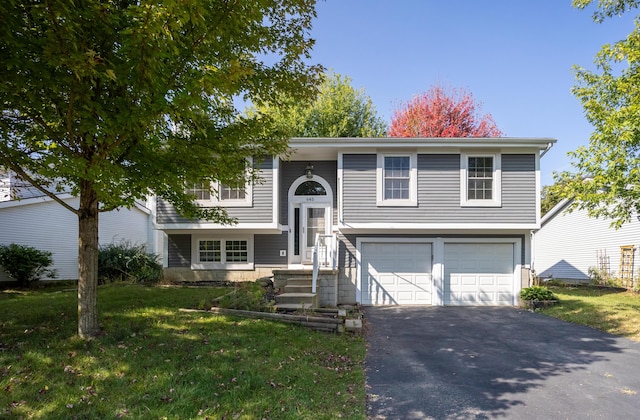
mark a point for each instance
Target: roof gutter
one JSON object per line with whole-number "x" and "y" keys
{"x": 549, "y": 146}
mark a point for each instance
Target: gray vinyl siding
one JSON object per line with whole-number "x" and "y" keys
{"x": 179, "y": 250}
{"x": 439, "y": 192}
{"x": 260, "y": 212}
{"x": 292, "y": 170}
{"x": 267, "y": 249}
{"x": 347, "y": 244}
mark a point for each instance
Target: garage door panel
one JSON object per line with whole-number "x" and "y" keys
{"x": 487, "y": 280}
{"x": 505, "y": 280}
{"x": 386, "y": 280}
{"x": 468, "y": 281}
{"x": 479, "y": 274}
{"x": 396, "y": 273}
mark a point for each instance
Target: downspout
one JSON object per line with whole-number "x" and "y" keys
{"x": 544, "y": 152}
{"x": 532, "y": 270}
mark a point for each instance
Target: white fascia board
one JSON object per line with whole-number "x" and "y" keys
{"x": 557, "y": 209}
{"x": 143, "y": 208}
{"x": 33, "y": 200}
{"x": 190, "y": 227}
{"x": 276, "y": 189}
{"x": 538, "y": 189}
{"x": 539, "y": 143}
{"x": 64, "y": 197}
{"x": 328, "y": 148}
{"x": 339, "y": 193}
{"x": 436, "y": 227}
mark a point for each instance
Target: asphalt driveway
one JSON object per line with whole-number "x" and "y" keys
{"x": 495, "y": 362}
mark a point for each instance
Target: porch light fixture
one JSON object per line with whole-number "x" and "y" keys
{"x": 308, "y": 171}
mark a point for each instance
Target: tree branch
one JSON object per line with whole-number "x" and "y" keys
{"x": 40, "y": 188}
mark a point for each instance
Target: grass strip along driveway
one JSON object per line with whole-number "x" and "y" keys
{"x": 156, "y": 362}
{"x": 615, "y": 311}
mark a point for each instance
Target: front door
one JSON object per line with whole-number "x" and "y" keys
{"x": 310, "y": 206}
{"x": 314, "y": 222}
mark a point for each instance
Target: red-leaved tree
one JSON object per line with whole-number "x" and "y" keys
{"x": 442, "y": 113}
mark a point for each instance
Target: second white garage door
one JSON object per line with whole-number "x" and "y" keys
{"x": 396, "y": 273}
{"x": 478, "y": 273}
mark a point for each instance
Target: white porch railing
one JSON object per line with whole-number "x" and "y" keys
{"x": 325, "y": 254}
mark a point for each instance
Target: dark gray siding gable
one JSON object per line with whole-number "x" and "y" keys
{"x": 439, "y": 192}
{"x": 267, "y": 249}
{"x": 260, "y": 212}
{"x": 179, "y": 250}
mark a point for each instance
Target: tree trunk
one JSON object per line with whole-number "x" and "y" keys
{"x": 88, "y": 261}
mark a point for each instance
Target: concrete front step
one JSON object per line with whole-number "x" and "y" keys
{"x": 294, "y": 288}
{"x": 300, "y": 281}
{"x": 293, "y": 306}
{"x": 300, "y": 298}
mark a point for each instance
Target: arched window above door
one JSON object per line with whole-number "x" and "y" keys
{"x": 310, "y": 188}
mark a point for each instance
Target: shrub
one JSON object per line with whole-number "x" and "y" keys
{"x": 601, "y": 277}
{"x": 26, "y": 264}
{"x": 537, "y": 293}
{"x": 127, "y": 262}
{"x": 247, "y": 296}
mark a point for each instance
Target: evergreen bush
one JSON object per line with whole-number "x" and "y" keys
{"x": 26, "y": 264}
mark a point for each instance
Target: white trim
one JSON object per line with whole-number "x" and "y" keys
{"x": 496, "y": 186}
{"x": 538, "y": 189}
{"x": 218, "y": 226}
{"x": 33, "y": 200}
{"x": 62, "y": 196}
{"x": 275, "y": 189}
{"x": 340, "y": 193}
{"x": 195, "y": 255}
{"x": 437, "y": 267}
{"x": 412, "y": 201}
{"x": 555, "y": 210}
{"x": 436, "y": 226}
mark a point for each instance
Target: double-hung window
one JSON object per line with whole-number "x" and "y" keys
{"x": 480, "y": 180}
{"x": 222, "y": 253}
{"x": 202, "y": 192}
{"x": 396, "y": 180}
{"x": 216, "y": 193}
{"x": 228, "y": 193}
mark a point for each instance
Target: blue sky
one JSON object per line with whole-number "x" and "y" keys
{"x": 514, "y": 56}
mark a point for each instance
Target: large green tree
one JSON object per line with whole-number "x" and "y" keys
{"x": 606, "y": 176}
{"x": 121, "y": 99}
{"x": 339, "y": 110}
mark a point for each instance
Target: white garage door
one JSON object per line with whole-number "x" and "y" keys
{"x": 396, "y": 273}
{"x": 478, "y": 274}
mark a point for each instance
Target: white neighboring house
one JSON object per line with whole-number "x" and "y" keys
{"x": 42, "y": 223}
{"x": 5, "y": 184}
{"x": 568, "y": 244}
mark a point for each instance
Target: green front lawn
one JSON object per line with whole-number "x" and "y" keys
{"x": 611, "y": 310}
{"x": 156, "y": 362}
